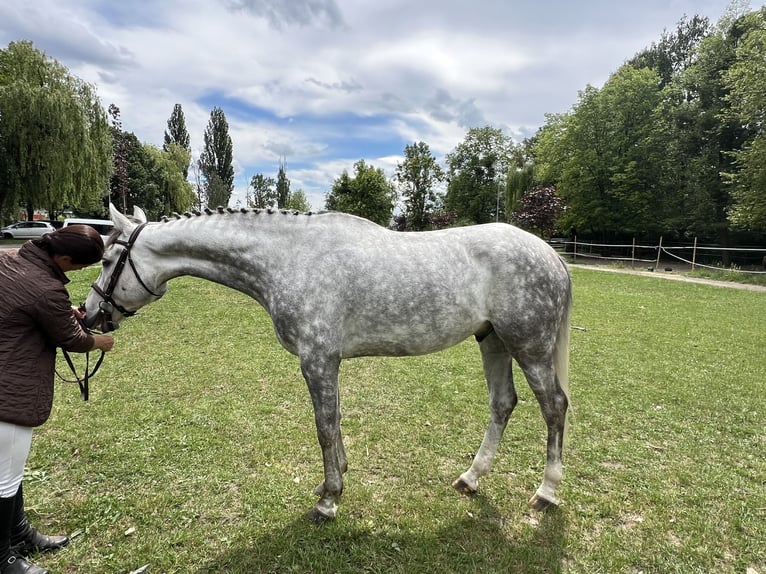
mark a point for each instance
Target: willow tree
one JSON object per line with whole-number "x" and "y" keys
{"x": 55, "y": 144}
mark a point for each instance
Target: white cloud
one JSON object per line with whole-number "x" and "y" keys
{"x": 325, "y": 83}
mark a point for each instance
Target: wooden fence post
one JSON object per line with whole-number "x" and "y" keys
{"x": 694, "y": 253}
{"x": 659, "y": 252}
{"x": 633, "y": 255}
{"x": 574, "y": 247}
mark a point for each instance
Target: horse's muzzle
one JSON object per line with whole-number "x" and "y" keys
{"x": 101, "y": 320}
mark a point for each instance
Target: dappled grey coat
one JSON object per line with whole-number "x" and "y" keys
{"x": 35, "y": 318}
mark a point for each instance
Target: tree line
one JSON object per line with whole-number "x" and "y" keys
{"x": 673, "y": 143}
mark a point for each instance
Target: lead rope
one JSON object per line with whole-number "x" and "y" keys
{"x": 84, "y": 381}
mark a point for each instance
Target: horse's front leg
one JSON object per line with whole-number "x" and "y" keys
{"x": 321, "y": 374}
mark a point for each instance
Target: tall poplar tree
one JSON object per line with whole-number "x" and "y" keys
{"x": 55, "y": 143}
{"x": 283, "y": 187}
{"x": 215, "y": 161}
{"x": 177, "y": 134}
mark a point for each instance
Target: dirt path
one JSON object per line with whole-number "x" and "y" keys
{"x": 675, "y": 277}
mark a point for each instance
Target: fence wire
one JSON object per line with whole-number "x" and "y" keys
{"x": 586, "y": 250}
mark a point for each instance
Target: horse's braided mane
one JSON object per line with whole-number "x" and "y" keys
{"x": 229, "y": 211}
{"x": 115, "y": 234}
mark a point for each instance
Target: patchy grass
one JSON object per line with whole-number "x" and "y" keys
{"x": 197, "y": 451}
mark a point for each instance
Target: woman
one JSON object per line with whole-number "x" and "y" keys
{"x": 36, "y": 317}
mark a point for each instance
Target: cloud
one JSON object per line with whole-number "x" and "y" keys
{"x": 76, "y": 42}
{"x": 325, "y": 83}
{"x": 445, "y": 108}
{"x": 342, "y": 86}
{"x": 294, "y": 12}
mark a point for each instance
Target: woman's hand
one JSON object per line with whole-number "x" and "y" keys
{"x": 103, "y": 342}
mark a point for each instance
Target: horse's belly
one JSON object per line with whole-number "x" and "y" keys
{"x": 405, "y": 340}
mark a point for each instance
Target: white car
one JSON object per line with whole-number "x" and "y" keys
{"x": 27, "y": 230}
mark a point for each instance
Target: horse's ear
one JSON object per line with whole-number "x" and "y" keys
{"x": 138, "y": 214}
{"x": 120, "y": 221}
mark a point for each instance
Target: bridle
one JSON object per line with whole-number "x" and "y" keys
{"x": 105, "y": 309}
{"x": 107, "y": 305}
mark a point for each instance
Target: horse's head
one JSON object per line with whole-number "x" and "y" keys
{"x": 126, "y": 282}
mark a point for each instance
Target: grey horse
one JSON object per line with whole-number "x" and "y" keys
{"x": 338, "y": 286}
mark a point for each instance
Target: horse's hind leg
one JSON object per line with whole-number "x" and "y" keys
{"x": 502, "y": 400}
{"x": 542, "y": 378}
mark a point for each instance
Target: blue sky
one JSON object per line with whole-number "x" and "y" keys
{"x": 325, "y": 83}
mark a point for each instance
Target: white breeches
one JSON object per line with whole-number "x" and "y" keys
{"x": 15, "y": 442}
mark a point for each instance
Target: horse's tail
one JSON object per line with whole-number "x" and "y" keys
{"x": 561, "y": 350}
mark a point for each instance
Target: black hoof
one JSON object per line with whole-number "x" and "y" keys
{"x": 317, "y": 517}
{"x": 462, "y": 487}
{"x": 541, "y": 504}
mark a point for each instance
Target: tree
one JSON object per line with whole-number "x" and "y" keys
{"x": 264, "y": 193}
{"x": 571, "y": 153}
{"x": 702, "y": 134}
{"x": 631, "y": 97}
{"x": 476, "y": 172}
{"x": 368, "y": 194}
{"x": 537, "y": 211}
{"x": 599, "y": 159}
{"x": 519, "y": 181}
{"x": 216, "y": 190}
{"x": 176, "y": 134}
{"x": 676, "y": 51}
{"x": 55, "y": 145}
{"x": 174, "y": 192}
{"x": 746, "y": 80}
{"x": 119, "y": 181}
{"x": 298, "y": 201}
{"x": 215, "y": 161}
{"x": 283, "y": 187}
{"x": 149, "y": 177}
{"x": 417, "y": 175}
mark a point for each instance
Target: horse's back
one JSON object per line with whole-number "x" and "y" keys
{"x": 414, "y": 293}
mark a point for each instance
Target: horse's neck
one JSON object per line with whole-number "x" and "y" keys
{"x": 247, "y": 252}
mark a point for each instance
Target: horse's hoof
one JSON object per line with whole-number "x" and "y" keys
{"x": 540, "y": 504}
{"x": 463, "y": 487}
{"x": 317, "y": 517}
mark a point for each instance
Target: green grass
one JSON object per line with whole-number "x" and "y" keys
{"x": 197, "y": 451}
{"x": 733, "y": 274}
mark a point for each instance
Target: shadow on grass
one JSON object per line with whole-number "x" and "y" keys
{"x": 472, "y": 544}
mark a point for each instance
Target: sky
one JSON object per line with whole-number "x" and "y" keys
{"x": 321, "y": 84}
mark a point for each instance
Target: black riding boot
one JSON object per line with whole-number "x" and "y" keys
{"x": 10, "y": 563}
{"x": 25, "y": 539}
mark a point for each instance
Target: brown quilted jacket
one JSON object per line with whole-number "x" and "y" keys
{"x": 35, "y": 318}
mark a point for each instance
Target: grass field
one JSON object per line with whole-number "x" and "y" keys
{"x": 197, "y": 451}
